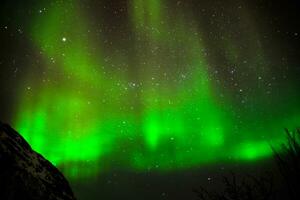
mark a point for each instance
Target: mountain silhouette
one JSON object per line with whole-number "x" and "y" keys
{"x": 25, "y": 174}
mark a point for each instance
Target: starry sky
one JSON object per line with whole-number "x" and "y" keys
{"x": 149, "y": 87}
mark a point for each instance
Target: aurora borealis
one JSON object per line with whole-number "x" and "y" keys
{"x": 154, "y": 85}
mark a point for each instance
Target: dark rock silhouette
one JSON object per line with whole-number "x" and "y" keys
{"x": 25, "y": 174}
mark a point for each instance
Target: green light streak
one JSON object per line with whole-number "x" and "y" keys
{"x": 146, "y": 17}
{"x": 83, "y": 116}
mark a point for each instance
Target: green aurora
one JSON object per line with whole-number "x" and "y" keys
{"x": 157, "y": 108}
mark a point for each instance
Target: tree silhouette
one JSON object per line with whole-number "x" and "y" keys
{"x": 262, "y": 187}
{"x": 288, "y": 161}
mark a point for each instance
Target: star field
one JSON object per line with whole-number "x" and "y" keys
{"x": 151, "y": 85}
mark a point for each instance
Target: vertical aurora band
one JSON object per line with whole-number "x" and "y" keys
{"x": 83, "y": 117}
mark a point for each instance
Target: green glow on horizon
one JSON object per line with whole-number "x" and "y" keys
{"x": 85, "y": 115}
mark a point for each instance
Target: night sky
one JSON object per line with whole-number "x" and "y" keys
{"x": 148, "y": 98}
